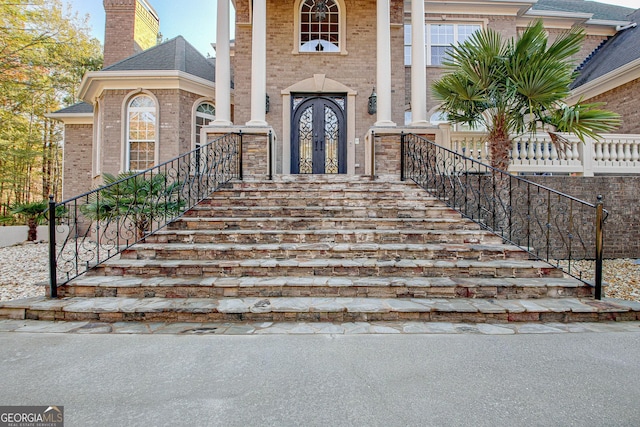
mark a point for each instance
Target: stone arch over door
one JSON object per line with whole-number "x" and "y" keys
{"x": 318, "y": 84}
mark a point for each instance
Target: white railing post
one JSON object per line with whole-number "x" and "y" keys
{"x": 586, "y": 156}
{"x": 621, "y": 156}
{"x": 575, "y": 152}
{"x": 443, "y": 137}
{"x": 627, "y": 153}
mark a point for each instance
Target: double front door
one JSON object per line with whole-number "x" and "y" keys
{"x": 318, "y": 135}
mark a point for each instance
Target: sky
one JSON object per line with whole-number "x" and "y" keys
{"x": 194, "y": 19}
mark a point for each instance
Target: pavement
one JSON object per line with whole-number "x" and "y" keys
{"x": 586, "y": 375}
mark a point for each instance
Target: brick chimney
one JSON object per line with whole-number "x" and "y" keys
{"x": 131, "y": 26}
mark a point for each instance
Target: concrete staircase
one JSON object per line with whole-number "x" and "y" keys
{"x": 323, "y": 248}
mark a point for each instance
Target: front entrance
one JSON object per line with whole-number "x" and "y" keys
{"x": 318, "y": 134}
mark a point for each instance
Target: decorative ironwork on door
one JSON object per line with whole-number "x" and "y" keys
{"x": 318, "y": 135}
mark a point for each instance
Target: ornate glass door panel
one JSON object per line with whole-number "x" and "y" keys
{"x": 318, "y": 135}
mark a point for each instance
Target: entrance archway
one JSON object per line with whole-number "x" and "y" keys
{"x": 318, "y": 87}
{"x": 318, "y": 134}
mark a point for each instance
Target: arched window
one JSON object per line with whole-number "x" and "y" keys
{"x": 205, "y": 114}
{"x": 319, "y": 26}
{"x": 141, "y": 133}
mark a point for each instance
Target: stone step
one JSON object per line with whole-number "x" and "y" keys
{"x": 311, "y": 194}
{"x": 326, "y": 286}
{"x": 311, "y": 251}
{"x": 300, "y": 200}
{"x": 307, "y": 223}
{"x": 329, "y": 236}
{"x": 323, "y": 211}
{"x": 302, "y": 181}
{"x": 113, "y": 309}
{"x": 356, "y": 267}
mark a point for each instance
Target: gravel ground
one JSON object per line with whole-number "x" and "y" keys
{"x": 24, "y": 272}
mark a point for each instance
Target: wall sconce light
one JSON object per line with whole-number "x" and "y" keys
{"x": 267, "y": 104}
{"x": 373, "y": 102}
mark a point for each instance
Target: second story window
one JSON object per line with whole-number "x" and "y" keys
{"x": 440, "y": 37}
{"x": 319, "y": 26}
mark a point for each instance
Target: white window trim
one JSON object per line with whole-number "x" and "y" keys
{"x": 98, "y": 117}
{"x": 125, "y": 158}
{"x": 342, "y": 45}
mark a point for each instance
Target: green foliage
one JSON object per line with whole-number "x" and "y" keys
{"x": 517, "y": 86}
{"x": 44, "y": 52}
{"x": 31, "y": 209}
{"x": 34, "y": 213}
{"x": 7, "y": 220}
{"x": 141, "y": 199}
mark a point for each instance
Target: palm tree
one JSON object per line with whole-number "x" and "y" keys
{"x": 35, "y": 213}
{"x": 517, "y": 86}
{"x": 139, "y": 198}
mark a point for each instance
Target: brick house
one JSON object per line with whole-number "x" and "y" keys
{"x": 319, "y": 74}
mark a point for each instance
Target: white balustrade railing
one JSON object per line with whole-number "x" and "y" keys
{"x": 471, "y": 144}
{"x": 612, "y": 154}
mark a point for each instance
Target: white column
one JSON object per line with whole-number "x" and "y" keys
{"x": 418, "y": 66}
{"x": 383, "y": 68}
{"x": 258, "y": 63}
{"x": 223, "y": 66}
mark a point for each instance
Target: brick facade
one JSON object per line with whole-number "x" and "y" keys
{"x": 77, "y": 160}
{"x": 356, "y": 69}
{"x": 174, "y": 118}
{"x": 507, "y": 26}
{"x": 624, "y": 101}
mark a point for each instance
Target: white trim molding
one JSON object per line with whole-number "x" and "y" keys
{"x": 95, "y": 82}
{"x": 72, "y": 118}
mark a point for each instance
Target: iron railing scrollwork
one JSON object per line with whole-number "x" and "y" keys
{"x": 550, "y": 225}
{"x": 101, "y": 223}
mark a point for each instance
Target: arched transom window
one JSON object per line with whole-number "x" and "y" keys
{"x": 141, "y": 133}
{"x": 319, "y": 26}
{"x": 205, "y": 114}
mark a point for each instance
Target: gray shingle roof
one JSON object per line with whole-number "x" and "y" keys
{"x": 79, "y": 108}
{"x": 175, "y": 54}
{"x": 619, "y": 50}
{"x": 599, "y": 10}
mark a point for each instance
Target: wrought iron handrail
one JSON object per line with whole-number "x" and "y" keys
{"x": 551, "y": 226}
{"x": 103, "y": 222}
